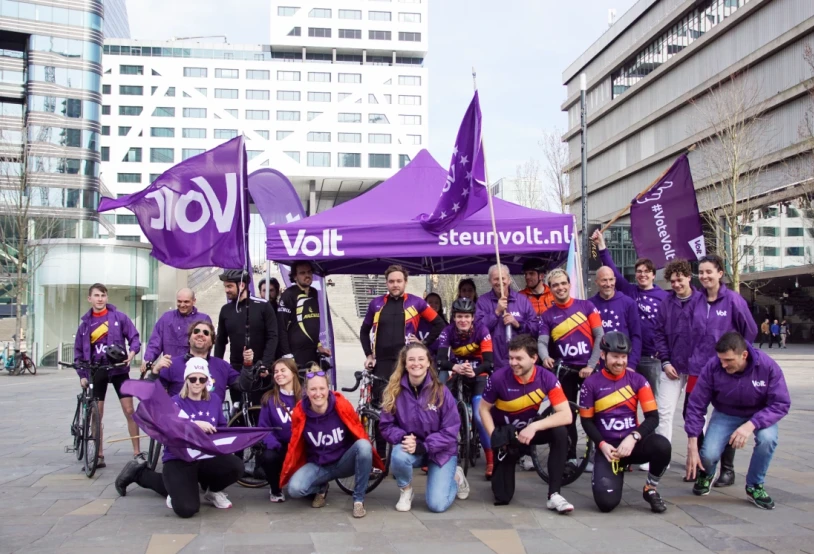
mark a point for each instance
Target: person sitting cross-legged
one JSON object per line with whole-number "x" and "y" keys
{"x": 608, "y": 402}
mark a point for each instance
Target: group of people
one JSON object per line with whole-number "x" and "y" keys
{"x": 774, "y": 333}
{"x": 630, "y": 347}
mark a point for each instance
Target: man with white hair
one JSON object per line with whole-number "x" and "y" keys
{"x": 170, "y": 335}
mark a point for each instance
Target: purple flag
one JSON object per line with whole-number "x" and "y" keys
{"x": 464, "y": 192}
{"x": 278, "y": 204}
{"x": 196, "y": 213}
{"x": 162, "y": 419}
{"x": 665, "y": 222}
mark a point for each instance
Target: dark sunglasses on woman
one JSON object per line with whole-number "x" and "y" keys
{"x": 200, "y": 380}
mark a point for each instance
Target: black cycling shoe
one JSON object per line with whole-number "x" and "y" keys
{"x": 725, "y": 479}
{"x": 652, "y": 497}
{"x": 128, "y": 475}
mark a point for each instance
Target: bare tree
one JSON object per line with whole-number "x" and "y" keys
{"x": 555, "y": 156}
{"x": 529, "y": 186}
{"x": 736, "y": 138}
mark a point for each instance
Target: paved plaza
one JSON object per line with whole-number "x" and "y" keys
{"x": 48, "y": 505}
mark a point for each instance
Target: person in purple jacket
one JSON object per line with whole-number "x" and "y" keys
{"x": 618, "y": 312}
{"x": 749, "y": 396}
{"x": 420, "y": 419}
{"x": 170, "y": 335}
{"x": 505, "y": 313}
{"x": 648, "y": 297}
{"x": 719, "y": 311}
{"x": 277, "y": 406}
{"x": 102, "y": 326}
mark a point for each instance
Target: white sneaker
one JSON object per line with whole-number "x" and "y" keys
{"x": 169, "y": 502}
{"x": 218, "y": 499}
{"x": 463, "y": 484}
{"x": 405, "y": 500}
{"x": 526, "y": 463}
{"x": 573, "y": 462}
{"x": 557, "y": 502}
{"x": 644, "y": 467}
{"x": 276, "y": 497}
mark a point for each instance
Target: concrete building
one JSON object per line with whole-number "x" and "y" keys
{"x": 649, "y": 78}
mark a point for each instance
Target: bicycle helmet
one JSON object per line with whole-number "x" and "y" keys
{"x": 615, "y": 342}
{"x": 235, "y": 276}
{"x": 534, "y": 264}
{"x": 116, "y": 354}
{"x": 463, "y": 306}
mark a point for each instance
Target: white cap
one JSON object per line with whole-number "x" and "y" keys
{"x": 196, "y": 365}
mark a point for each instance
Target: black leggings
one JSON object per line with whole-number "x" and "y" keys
{"x": 272, "y": 463}
{"x": 607, "y": 486}
{"x": 506, "y": 460}
{"x": 384, "y": 368}
{"x": 180, "y": 480}
{"x": 570, "y": 382}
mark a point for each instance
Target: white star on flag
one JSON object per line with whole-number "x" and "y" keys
{"x": 455, "y": 150}
{"x": 464, "y": 160}
{"x": 443, "y": 215}
{"x": 468, "y": 175}
{"x": 200, "y": 413}
{"x": 456, "y": 207}
{"x": 465, "y": 192}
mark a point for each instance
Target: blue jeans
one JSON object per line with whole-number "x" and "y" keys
{"x": 356, "y": 462}
{"x": 721, "y": 427}
{"x": 441, "y": 484}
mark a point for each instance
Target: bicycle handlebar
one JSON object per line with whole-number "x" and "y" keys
{"x": 92, "y": 367}
{"x": 359, "y": 375}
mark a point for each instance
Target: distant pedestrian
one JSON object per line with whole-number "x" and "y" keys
{"x": 764, "y": 333}
{"x": 784, "y": 333}
{"x": 775, "y": 338}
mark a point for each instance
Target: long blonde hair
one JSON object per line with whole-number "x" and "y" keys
{"x": 274, "y": 392}
{"x": 185, "y": 391}
{"x": 393, "y": 389}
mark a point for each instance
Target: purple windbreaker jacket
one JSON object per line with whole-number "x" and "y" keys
{"x": 674, "y": 332}
{"x": 170, "y": 334}
{"x": 119, "y": 328}
{"x": 524, "y": 313}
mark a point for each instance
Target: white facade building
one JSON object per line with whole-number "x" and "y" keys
{"x": 337, "y": 102}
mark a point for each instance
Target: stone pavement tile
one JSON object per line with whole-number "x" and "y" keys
{"x": 273, "y": 548}
{"x": 775, "y": 543}
{"x": 62, "y": 507}
{"x": 342, "y": 543}
{"x": 409, "y": 547}
{"x": 18, "y": 536}
{"x": 163, "y": 522}
{"x": 717, "y": 541}
{"x": 707, "y": 515}
{"x": 439, "y": 531}
{"x": 539, "y": 541}
{"x": 502, "y": 541}
{"x": 549, "y": 520}
{"x": 516, "y": 518}
{"x": 610, "y": 541}
{"x": 69, "y": 525}
{"x": 168, "y": 544}
{"x": 776, "y": 530}
{"x": 209, "y": 544}
{"x": 28, "y": 508}
{"x": 673, "y": 536}
{"x": 291, "y": 538}
{"x": 95, "y": 507}
{"x": 387, "y": 519}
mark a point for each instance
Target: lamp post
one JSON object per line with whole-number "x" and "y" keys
{"x": 583, "y": 88}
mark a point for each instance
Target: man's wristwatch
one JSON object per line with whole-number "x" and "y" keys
{"x": 636, "y": 436}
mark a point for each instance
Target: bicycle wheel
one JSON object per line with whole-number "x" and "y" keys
{"x": 370, "y": 421}
{"x": 153, "y": 454}
{"x": 584, "y": 449}
{"x": 29, "y": 365}
{"x": 464, "y": 438}
{"x": 77, "y": 430}
{"x": 93, "y": 431}
{"x": 18, "y": 366}
{"x": 253, "y": 475}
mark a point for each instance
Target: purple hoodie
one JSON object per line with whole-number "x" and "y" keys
{"x": 120, "y": 328}
{"x": 436, "y": 427}
{"x": 674, "y": 332}
{"x": 326, "y": 437}
{"x": 710, "y": 322}
{"x": 272, "y": 415}
{"x": 209, "y": 411}
{"x": 758, "y": 393}
{"x": 170, "y": 334}
{"x": 522, "y": 310}
{"x": 620, "y": 313}
{"x": 648, "y": 302}
{"x": 223, "y": 375}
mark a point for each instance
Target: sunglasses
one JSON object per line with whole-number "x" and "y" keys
{"x": 205, "y": 332}
{"x": 200, "y": 380}
{"x": 312, "y": 374}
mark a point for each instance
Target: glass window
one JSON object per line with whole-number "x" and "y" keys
{"x": 225, "y": 133}
{"x": 287, "y": 115}
{"x": 319, "y": 32}
{"x": 295, "y": 32}
{"x": 187, "y": 153}
{"x": 746, "y": 230}
{"x": 257, "y": 95}
{"x": 410, "y": 37}
{"x": 410, "y": 80}
{"x": 133, "y": 155}
{"x": 260, "y": 74}
{"x": 286, "y": 11}
{"x": 123, "y": 131}
{"x": 195, "y": 72}
{"x": 410, "y": 17}
{"x": 230, "y": 112}
{"x": 288, "y": 75}
{"x": 164, "y": 112}
{"x": 288, "y": 95}
{"x": 283, "y": 134}
{"x": 313, "y": 115}
{"x": 378, "y": 160}
{"x": 105, "y": 110}
{"x": 344, "y": 159}
{"x": 314, "y": 136}
{"x": 413, "y": 139}
{"x": 794, "y": 232}
{"x": 350, "y": 77}
{"x": 194, "y": 133}
{"x": 319, "y": 159}
{"x": 409, "y": 100}
{"x": 379, "y": 16}
{"x": 769, "y": 232}
{"x": 410, "y": 119}
{"x": 257, "y": 114}
{"x": 379, "y": 35}
{"x": 377, "y": 118}
{"x": 195, "y": 112}
{"x": 748, "y": 250}
{"x": 162, "y": 155}
{"x": 404, "y": 159}
{"x": 379, "y": 138}
{"x": 769, "y": 250}
{"x": 228, "y": 93}
{"x": 293, "y": 155}
{"x": 350, "y": 33}
{"x": 131, "y": 90}
{"x": 226, "y": 73}
{"x": 263, "y": 134}
{"x": 105, "y": 130}
{"x": 350, "y": 14}
{"x": 319, "y": 77}
{"x": 342, "y": 95}
{"x": 105, "y": 89}
{"x": 319, "y": 96}
{"x": 388, "y": 98}
{"x": 170, "y": 91}
{"x": 131, "y": 69}
{"x": 252, "y": 154}
{"x": 105, "y": 153}
{"x": 795, "y": 251}
{"x": 349, "y": 137}
{"x": 350, "y": 118}
{"x": 130, "y": 110}
{"x": 128, "y": 177}
{"x": 324, "y": 13}
{"x": 126, "y": 219}
{"x": 201, "y": 90}
{"x": 168, "y": 132}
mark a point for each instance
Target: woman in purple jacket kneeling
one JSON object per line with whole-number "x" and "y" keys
{"x": 419, "y": 418}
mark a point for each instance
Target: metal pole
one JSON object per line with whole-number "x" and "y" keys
{"x": 583, "y": 86}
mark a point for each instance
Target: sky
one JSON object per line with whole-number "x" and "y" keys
{"x": 519, "y": 49}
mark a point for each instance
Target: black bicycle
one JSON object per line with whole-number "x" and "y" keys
{"x": 246, "y": 415}
{"x": 86, "y": 427}
{"x": 468, "y": 437}
{"x": 584, "y": 446}
{"x": 369, "y": 416}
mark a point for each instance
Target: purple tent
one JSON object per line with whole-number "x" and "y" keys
{"x": 379, "y": 228}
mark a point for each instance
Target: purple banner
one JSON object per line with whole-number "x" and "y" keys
{"x": 162, "y": 419}
{"x": 665, "y": 222}
{"x": 464, "y": 192}
{"x": 196, "y": 213}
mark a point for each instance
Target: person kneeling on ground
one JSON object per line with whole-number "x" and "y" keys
{"x": 180, "y": 479}
{"x": 608, "y": 402}
{"x": 420, "y": 419}
{"x": 749, "y": 396}
{"x": 327, "y": 442}
{"x": 509, "y": 411}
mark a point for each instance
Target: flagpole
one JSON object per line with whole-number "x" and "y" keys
{"x": 244, "y": 205}
{"x": 492, "y": 212}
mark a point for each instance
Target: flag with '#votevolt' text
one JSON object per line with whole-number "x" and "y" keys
{"x": 464, "y": 192}
{"x": 665, "y": 222}
{"x": 195, "y": 213}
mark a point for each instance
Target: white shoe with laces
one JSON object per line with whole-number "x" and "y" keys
{"x": 276, "y": 497}
{"x": 218, "y": 499}
{"x": 526, "y": 463}
{"x": 463, "y": 484}
{"x": 557, "y": 502}
{"x": 169, "y": 502}
{"x": 405, "y": 500}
